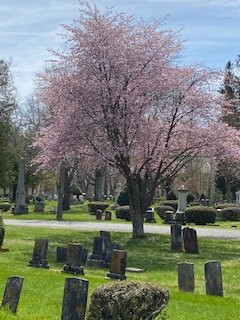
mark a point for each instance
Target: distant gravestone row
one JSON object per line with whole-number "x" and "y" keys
{"x": 75, "y": 256}
{"x": 213, "y": 277}
{"x": 186, "y": 238}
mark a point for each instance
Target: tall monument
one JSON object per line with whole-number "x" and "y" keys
{"x": 20, "y": 207}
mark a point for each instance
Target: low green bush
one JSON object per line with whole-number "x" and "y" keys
{"x": 231, "y": 214}
{"x": 190, "y": 197}
{"x": 200, "y": 215}
{"x": 123, "y": 198}
{"x": 127, "y": 301}
{"x": 171, "y": 203}
{"x": 97, "y": 205}
{"x": 226, "y": 205}
{"x": 5, "y": 206}
{"x": 161, "y": 210}
{"x": 123, "y": 212}
{"x": 194, "y": 204}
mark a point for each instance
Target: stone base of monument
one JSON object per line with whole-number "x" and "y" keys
{"x": 73, "y": 269}
{"x": 96, "y": 263}
{"x": 19, "y": 210}
{"x": 35, "y": 264}
{"x": 116, "y": 276}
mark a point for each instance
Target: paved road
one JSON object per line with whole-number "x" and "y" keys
{"x": 120, "y": 227}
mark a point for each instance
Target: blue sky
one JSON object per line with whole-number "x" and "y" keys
{"x": 29, "y": 27}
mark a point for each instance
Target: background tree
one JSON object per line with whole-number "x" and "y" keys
{"x": 130, "y": 104}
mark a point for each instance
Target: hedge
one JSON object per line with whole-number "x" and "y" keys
{"x": 123, "y": 212}
{"x": 200, "y": 215}
{"x": 226, "y": 205}
{"x": 5, "y": 206}
{"x": 171, "y": 203}
{"x": 127, "y": 301}
{"x": 97, "y": 205}
{"x": 231, "y": 214}
{"x": 161, "y": 210}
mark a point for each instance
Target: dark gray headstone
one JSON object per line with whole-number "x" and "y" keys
{"x": 39, "y": 207}
{"x": 213, "y": 278}
{"x": 61, "y": 254}
{"x": 190, "y": 240}
{"x": 2, "y": 234}
{"x": 84, "y": 256}
{"x": 118, "y": 265}
{"x": 106, "y": 235}
{"x": 98, "y": 258}
{"x": 74, "y": 299}
{"x": 186, "y": 276}
{"x": 176, "y": 237}
{"x": 39, "y": 258}
{"x": 150, "y": 216}
{"x": 99, "y": 215}
{"x": 108, "y": 215}
{"x": 74, "y": 263}
{"x": 12, "y": 293}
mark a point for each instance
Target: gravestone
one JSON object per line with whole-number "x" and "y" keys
{"x": 74, "y": 299}
{"x": 12, "y": 293}
{"x": 39, "y": 204}
{"x": 98, "y": 258}
{"x": 176, "y": 237}
{"x": 84, "y": 256}
{"x": 99, "y": 215}
{"x": 118, "y": 265}
{"x": 169, "y": 217}
{"x": 213, "y": 278}
{"x": 61, "y": 254}
{"x": 2, "y": 234}
{"x": 108, "y": 215}
{"x": 182, "y": 204}
{"x": 238, "y": 197}
{"x": 74, "y": 263}
{"x": 106, "y": 235}
{"x": 190, "y": 240}
{"x": 186, "y": 276}
{"x": 110, "y": 248}
{"x": 20, "y": 207}
{"x": 150, "y": 216}
{"x": 39, "y": 258}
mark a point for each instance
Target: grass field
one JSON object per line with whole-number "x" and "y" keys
{"x": 43, "y": 289}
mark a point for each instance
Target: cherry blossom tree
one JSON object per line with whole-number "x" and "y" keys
{"x": 120, "y": 96}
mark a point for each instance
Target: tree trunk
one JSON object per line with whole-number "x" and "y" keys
{"x": 138, "y": 207}
{"x": 66, "y": 190}
{"x": 228, "y": 191}
{"x": 98, "y": 185}
{"x": 60, "y": 192}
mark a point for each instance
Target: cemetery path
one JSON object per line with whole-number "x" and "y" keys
{"x": 120, "y": 227}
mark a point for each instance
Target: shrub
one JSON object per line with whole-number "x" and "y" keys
{"x": 231, "y": 214}
{"x": 171, "y": 196}
{"x": 200, "y": 215}
{"x": 171, "y": 203}
{"x": 123, "y": 198}
{"x": 127, "y": 301}
{"x": 190, "y": 197}
{"x": 97, "y": 205}
{"x": 194, "y": 204}
{"x": 226, "y": 205}
{"x": 161, "y": 210}
{"x": 5, "y": 206}
{"x": 123, "y": 212}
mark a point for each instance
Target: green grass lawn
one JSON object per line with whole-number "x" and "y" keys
{"x": 43, "y": 289}
{"x": 81, "y": 213}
